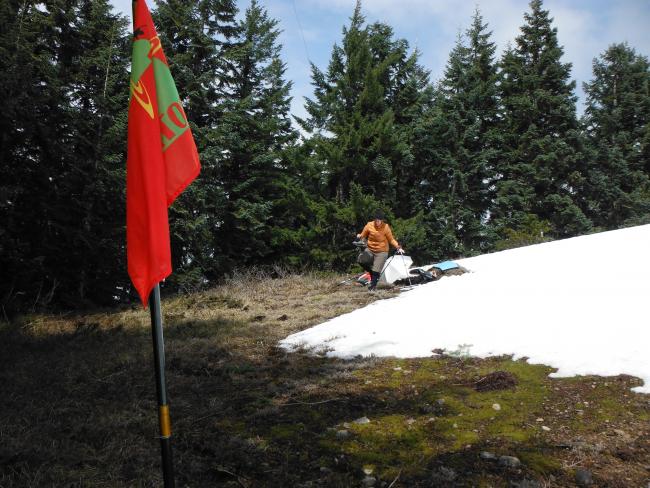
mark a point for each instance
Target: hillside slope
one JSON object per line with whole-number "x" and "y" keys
{"x": 578, "y": 305}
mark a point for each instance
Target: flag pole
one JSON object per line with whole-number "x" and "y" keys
{"x": 163, "y": 407}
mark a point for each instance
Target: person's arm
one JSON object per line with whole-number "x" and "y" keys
{"x": 364, "y": 233}
{"x": 391, "y": 239}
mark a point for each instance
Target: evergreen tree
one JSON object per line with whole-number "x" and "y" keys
{"x": 617, "y": 121}
{"x": 363, "y": 114}
{"x": 27, "y": 75}
{"x": 409, "y": 95}
{"x": 91, "y": 196}
{"x": 62, "y": 156}
{"x": 256, "y": 131}
{"x": 464, "y": 146}
{"x": 540, "y": 168}
{"x": 364, "y": 122}
{"x": 197, "y": 37}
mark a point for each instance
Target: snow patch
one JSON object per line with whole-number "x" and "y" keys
{"x": 579, "y": 305}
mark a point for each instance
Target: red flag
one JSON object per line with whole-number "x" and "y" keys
{"x": 162, "y": 158}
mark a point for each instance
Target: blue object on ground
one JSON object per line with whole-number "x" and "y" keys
{"x": 445, "y": 265}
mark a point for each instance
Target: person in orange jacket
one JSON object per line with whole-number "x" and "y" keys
{"x": 380, "y": 238}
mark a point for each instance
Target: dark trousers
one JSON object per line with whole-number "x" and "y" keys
{"x": 374, "y": 278}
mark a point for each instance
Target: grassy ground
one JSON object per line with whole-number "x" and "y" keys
{"x": 78, "y": 404}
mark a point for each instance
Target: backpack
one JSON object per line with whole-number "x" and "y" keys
{"x": 366, "y": 259}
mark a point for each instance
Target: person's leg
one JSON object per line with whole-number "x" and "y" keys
{"x": 374, "y": 277}
{"x": 377, "y": 266}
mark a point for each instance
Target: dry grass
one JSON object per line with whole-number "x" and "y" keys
{"x": 79, "y": 408}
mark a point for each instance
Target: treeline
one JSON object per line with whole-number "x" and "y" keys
{"x": 491, "y": 156}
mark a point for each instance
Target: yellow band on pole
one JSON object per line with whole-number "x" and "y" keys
{"x": 165, "y": 422}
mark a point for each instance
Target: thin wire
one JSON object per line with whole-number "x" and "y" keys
{"x": 302, "y": 35}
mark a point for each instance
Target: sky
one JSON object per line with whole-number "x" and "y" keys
{"x": 585, "y": 28}
{"x": 579, "y": 305}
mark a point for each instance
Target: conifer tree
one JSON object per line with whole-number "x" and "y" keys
{"x": 27, "y": 78}
{"x": 258, "y": 136}
{"x": 540, "y": 169}
{"x": 363, "y": 113}
{"x": 465, "y": 142}
{"x": 62, "y": 162}
{"x": 196, "y": 37}
{"x": 365, "y": 122}
{"x": 91, "y": 195}
{"x": 617, "y": 121}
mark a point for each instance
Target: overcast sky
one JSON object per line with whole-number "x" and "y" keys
{"x": 585, "y": 29}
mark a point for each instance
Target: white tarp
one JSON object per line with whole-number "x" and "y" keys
{"x": 396, "y": 268}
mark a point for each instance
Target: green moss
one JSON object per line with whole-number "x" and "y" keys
{"x": 429, "y": 408}
{"x": 287, "y": 432}
{"x": 389, "y": 442}
{"x": 463, "y": 415}
{"x": 540, "y": 463}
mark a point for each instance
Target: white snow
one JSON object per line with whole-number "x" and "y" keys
{"x": 579, "y": 305}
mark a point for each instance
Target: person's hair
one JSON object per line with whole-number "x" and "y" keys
{"x": 379, "y": 215}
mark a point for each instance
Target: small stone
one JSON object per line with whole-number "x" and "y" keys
{"x": 367, "y": 470}
{"x": 325, "y": 470}
{"x": 346, "y": 425}
{"x": 584, "y": 477}
{"x": 496, "y": 406}
{"x": 410, "y": 421}
{"x": 444, "y": 474}
{"x": 546, "y": 429}
{"x": 440, "y": 402}
{"x": 369, "y": 481}
{"x": 455, "y": 426}
{"x": 428, "y": 408}
{"x": 509, "y": 461}
{"x": 342, "y": 434}
{"x": 539, "y": 420}
{"x": 398, "y": 368}
{"x": 362, "y": 421}
{"x": 488, "y": 456}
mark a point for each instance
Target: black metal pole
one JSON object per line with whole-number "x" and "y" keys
{"x": 163, "y": 407}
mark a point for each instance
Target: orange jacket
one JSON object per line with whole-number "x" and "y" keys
{"x": 378, "y": 237}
